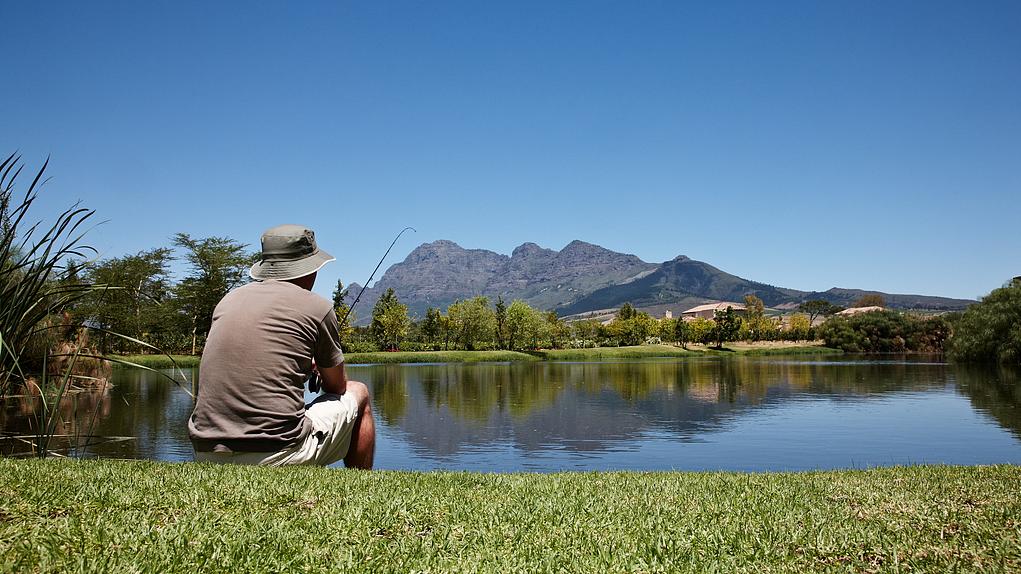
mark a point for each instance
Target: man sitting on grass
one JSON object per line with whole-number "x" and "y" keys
{"x": 266, "y": 339}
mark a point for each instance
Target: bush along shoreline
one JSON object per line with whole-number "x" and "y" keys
{"x": 591, "y": 354}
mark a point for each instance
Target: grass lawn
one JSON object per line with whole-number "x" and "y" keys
{"x": 70, "y": 515}
{"x": 597, "y": 354}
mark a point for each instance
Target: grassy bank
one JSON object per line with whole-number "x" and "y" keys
{"x": 596, "y": 354}
{"x": 604, "y": 353}
{"x": 779, "y": 348}
{"x": 66, "y": 515}
{"x": 438, "y": 357}
{"x": 162, "y": 361}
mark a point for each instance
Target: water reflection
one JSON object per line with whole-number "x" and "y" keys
{"x": 994, "y": 391}
{"x": 444, "y": 409}
{"x": 738, "y": 413}
{"x": 138, "y": 404}
{"x": 68, "y": 429}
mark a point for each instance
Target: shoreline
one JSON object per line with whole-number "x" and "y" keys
{"x": 590, "y": 354}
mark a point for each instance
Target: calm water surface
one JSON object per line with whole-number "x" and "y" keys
{"x": 728, "y": 414}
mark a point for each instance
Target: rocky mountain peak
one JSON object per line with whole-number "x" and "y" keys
{"x": 438, "y": 246}
{"x": 530, "y": 249}
{"x": 579, "y": 246}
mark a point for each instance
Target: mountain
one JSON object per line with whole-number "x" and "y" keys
{"x": 583, "y": 277}
{"x": 681, "y": 283}
{"x": 437, "y": 274}
{"x": 840, "y": 296}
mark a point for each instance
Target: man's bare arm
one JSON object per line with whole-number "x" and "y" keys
{"x": 334, "y": 379}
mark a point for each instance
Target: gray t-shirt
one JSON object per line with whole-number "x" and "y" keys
{"x": 256, "y": 360}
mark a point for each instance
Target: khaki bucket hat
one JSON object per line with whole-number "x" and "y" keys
{"x": 288, "y": 252}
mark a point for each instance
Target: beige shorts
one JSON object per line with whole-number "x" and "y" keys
{"x": 333, "y": 418}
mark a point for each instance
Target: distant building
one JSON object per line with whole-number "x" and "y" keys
{"x": 857, "y": 310}
{"x": 668, "y": 314}
{"x": 708, "y": 311}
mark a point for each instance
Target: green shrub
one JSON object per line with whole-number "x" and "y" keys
{"x": 885, "y": 332}
{"x": 990, "y": 331}
{"x": 360, "y": 347}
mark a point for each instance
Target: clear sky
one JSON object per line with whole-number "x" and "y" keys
{"x": 805, "y": 144}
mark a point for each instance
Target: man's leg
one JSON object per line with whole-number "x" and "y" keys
{"x": 363, "y": 436}
{"x": 342, "y": 428}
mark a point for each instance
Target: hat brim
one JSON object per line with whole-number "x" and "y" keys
{"x": 278, "y": 270}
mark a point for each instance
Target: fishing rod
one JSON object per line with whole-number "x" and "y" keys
{"x": 313, "y": 379}
{"x": 366, "y": 284}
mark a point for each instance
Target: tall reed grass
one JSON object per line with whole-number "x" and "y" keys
{"x": 34, "y": 275}
{"x": 43, "y": 353}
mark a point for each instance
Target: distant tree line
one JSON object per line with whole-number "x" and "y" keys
{"x": 479, "y": 324}
{"x": 135, "y": 297}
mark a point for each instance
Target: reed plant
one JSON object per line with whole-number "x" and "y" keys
{"x": 34, "y": 275}
{"x": 44, "y": 355}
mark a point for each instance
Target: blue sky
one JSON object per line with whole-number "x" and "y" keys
{"x": 805, "y": 144}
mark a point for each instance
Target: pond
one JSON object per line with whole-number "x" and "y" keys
{"x": 750, "y": 414}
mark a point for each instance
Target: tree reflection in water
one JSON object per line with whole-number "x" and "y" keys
{"x": 78, "y": 412}
{"x": 135, "y": 403}
{"x": 445, "y": 409}
{"x": 994, "y": 391}
{"x": 440, "y": 411}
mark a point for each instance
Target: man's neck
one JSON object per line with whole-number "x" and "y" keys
{"x": 305, "y": 282}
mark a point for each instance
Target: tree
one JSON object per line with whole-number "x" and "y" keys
{"x": 798, "y": 327}
{"x": 701, "y": 330}
{"x": 627, "y": 311}
{"x": 990, "y": 330}
{"x": 870, "y": 300}
{"x": 537, "y": 329}
{"x": 557, "y": 330}
{"x": 755, "y": 317}
{"x": 817, "y": 307}
{"x": 682, "y": 332}
{"x": 340, "y": 293}
{"x": 390, "y": 321}
{"x": 754, "y": 307}
{"x": 501, "y": 322}
{"x": 635, "y": 329}
{"x": 586, "y": 330}
{"x": 217, "y": 265}
{"x": 448, "y": 331}
{"x": 472, "y": 321}
{"x": 130, "y": 297}
{"x": 520, "y": 321}
{"x": 432, "y": 326}
{"x": 668, "y": 329}
{"x": 345, "y": 315}
{"x": 728, "y": 323}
